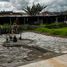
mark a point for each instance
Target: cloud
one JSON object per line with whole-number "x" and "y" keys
{"x": 19, "y": 4}
{"x": 58, "y": 5}
{"x": 6, "y": 6}
{"x": 4, "y": 0}
{"x": 53, "y": 5}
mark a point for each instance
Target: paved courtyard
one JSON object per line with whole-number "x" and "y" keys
{"x": 55, "y": 46}
{"x": 60, "y": 61}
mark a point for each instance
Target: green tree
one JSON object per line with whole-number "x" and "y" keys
{"x": 34, "y": 10}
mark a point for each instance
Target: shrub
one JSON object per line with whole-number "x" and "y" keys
{"x": 14, "y": 39}
{"x": 20, "y": 38}
{"x": 59, "y": 31}
{"x": 7, "y": 40}
{"x": 56, "y": 25}
{"x": 42, "y": 29}
{"x": 10, "y": 37}
{"x": 5, "y": 29}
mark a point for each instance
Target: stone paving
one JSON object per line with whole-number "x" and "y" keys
{"x": 54, "y": 44}
{"x": 16, "y": 56}
{"x": 49, "y": 42}
{"x": 60, "y": 61}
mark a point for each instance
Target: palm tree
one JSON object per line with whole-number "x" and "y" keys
{"x": 34, "y": 10}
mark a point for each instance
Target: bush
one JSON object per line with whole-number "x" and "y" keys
{"x": 20, "y": 38}
{"x": 56, "y": 25}
{"x": 55, "y": 32}
{"x": 62, "y": 31}
{"x": 14, "y": 39}
{"x": 4, "y": 29}
{"x": 10, "y": 37}
{"x": 42, "y": 29}
{"x": 59, "y": 31}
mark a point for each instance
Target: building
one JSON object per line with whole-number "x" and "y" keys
{"x": 23, "y": 18}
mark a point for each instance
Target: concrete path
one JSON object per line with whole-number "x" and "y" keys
{"x": 52, "y": 43}
{"x": 60, "y": 61}
{"x": 56, "y": 44}
{"x": 2, "y": 39}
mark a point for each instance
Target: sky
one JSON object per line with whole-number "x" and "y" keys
{"x": 52, "y": 5}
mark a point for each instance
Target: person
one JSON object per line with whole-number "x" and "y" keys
{"x": 14, "y": 28}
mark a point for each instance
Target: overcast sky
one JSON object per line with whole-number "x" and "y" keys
{"x": 53, "y": 5}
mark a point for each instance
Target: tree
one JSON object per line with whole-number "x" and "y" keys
{"x": 34, "y": 10}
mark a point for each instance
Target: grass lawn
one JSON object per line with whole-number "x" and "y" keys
{"x": 59, "y": 31}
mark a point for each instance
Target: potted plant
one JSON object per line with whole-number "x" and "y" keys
{"x": 14, "y": 39}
